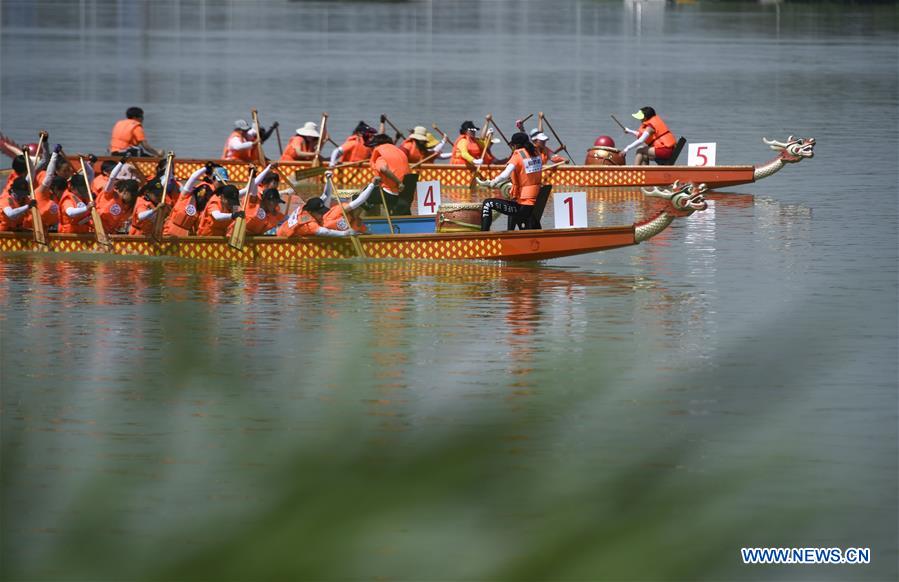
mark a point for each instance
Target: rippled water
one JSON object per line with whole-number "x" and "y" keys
{"x": 639, "y": 413}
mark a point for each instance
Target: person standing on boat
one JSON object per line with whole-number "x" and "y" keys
{"x": 302, "y": 145}
{"x": 241, "y": 144}
{"x": 525, "y": 169}
{"x": 356, "y": 148}
{"x": 654, "y": 139}
{"x": 420, "y": 145}
{"x": 220, "y": 211}
{"x": 128, "y": 136}
{"x": 390, "y": 164}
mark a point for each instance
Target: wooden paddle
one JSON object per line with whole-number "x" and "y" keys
{"x": 292, "y": 187}
{"x": 40, "y": 237}
{"x": 395, "y": 128}
{"x": 99, "y": 231}
{"x": 556, "y": 135}
{"x": 316, "y": 161}
{"x": 357, "y": 246}
{"x": 424, "y": 160}
{"x": 386, "y": 211}
{"x": 278, "y": 135}
{"x": 312, "y": 172}
{"x": 260, "y": 153}
{"x": 161, "y": 211}
{"x": 239, "y": 229}
{"x": 501, "y": 134}
{"x": 540, "y": 121}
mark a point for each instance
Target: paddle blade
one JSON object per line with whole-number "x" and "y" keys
{"x": 40, "y": 237}
{"x": 310, "y": 173}
{"x": 102, "y": 237}
{"x": 238, "y": 233}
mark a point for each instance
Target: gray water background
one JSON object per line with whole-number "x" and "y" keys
{"x": 640, "y": 413}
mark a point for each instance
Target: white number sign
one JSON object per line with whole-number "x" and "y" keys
{"x": 570, "y": 209}
{"x": 701, "y": 154}
{"x": 428, "y": 197}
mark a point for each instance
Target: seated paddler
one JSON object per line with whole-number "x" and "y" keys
{"x": 654, "y": 139}
{"x": 356, "y": 148}
{"x": 336, "y": 217}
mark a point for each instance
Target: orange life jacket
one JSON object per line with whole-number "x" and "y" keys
{"x": 298, "y": 224}
{"x": 126, "y": 133}
{"x": 297, "y": 142}
{"x": 47, "y": 206}
{"x": 113, "y": 212}
{"x": 661, "y": 137}
{"x": 73, "y": 223}
{"x": 335, "y": 220}
{"x": 184, "y": 217}
{"x": 410, "y": 146}
{"x": 526, "y": 177}
{"x": 472, "y": 146}
{"x": 6, "y": 223}
{"x": 142, "y": 227}
{"x": 394, "y": 159}
{"x": 258, "y": 220}
{"x": 354, "y": 149}
{"x": 8, "y": 186}
{"x": 246, "y": 155}
{"x": 209, "y": 226}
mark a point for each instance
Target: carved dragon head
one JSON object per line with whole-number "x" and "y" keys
{"x": 684, "y": 199}
{"x": 795, "y": 149}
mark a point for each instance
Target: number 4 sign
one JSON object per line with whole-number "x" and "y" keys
{"x": 428, "y": 194}
{"x": 701, "y": 154}
{"x": 570, "y": 209}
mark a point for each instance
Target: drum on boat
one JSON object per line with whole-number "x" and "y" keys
{"x": 459, "y": 217}
{"x": 603, "y": 156}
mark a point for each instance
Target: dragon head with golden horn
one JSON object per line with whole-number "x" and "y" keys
{"x": 795, "y": 149}
{"x": 682, "y": 200}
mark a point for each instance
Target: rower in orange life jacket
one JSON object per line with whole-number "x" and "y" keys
{"x": 221, "y": 210}
{"x": 143, "y": 217}
{"x": 116, "y": 199}
{"x": 302, "y": 145}
{"x": 15, "y": 205}
{"x": 468, "y": 149}
{"x": 306, "y": 220}
{"x": 356, "y": 147}
{"x": 654, "y": 139}
{"x": 184, "y": 218}
{"x": 525, "y": 169}
{"x": 263, "y": 212}
{"x": 420, "y": 145}
{"x": 19, "y": 170}
{"x": 52, "y": 185}
{"x": 334, "y": 218}
{"x": 75, "y": 204}
{"x": 540, "y": 139}
{"x": 242, "y": 144}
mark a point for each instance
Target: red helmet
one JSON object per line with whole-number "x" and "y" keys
{"x": 31, "y": 148}
{"x": 604, "y": 141}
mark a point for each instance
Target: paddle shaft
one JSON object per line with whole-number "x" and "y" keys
{"x": 501, "y": 134}
{"x": 239, "y": 229}
{"x": 278, "y": 135}
{"x": 395, "y": 128}
{"x": 540, "y": 121}
{"x": 386, "y": 211}
{"x": 316, "y": 161}
{"x": 556, "y": 135}
{"x": 99, "y": 231}
{"x": 36, "y": 222}
{"x": 259, "y": 151}
{"x": 357, "y": 246}
{"x": 621, "y": 125}
{"x": 160, "y": 213}
{"x": 424, "y": 161}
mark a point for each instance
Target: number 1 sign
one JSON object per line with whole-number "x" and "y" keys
{"x": 570, "y": 209}
{"x": 428, "y": 194}
{"x": 701, "y": 154}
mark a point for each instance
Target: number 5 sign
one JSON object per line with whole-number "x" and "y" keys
{"x": 428, "y": 194}
{"x": 570, "y": 209}
{"x": 701, "y": 154}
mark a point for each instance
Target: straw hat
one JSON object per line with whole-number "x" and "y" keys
{"x": 419, "y": 133}
{"x": 309, "y": 129}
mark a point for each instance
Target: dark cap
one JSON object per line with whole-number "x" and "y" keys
{"x": 466, "y": 125}
{"x": 20, "y": 188}
{"x": 519, "y": 139}
{"x": 314, "y": 205}
{"x": 272, "y": 194}
{"x": 363, "y": 127}
{"x": 380, "y": 139}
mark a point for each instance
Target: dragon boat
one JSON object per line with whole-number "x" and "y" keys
{"x": 528, "y": 245}
{"x": 791, "y": 151}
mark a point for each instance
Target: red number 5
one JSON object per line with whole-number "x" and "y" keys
{"x": 702, "y": 156}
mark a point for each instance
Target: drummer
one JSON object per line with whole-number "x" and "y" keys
{"x": 525, "y": 169}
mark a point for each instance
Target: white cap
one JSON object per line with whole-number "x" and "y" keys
{"x": 309, "y": 129}
{"x": 537, "y": 135}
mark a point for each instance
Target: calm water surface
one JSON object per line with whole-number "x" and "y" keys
{"x": 641, "y": 413}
